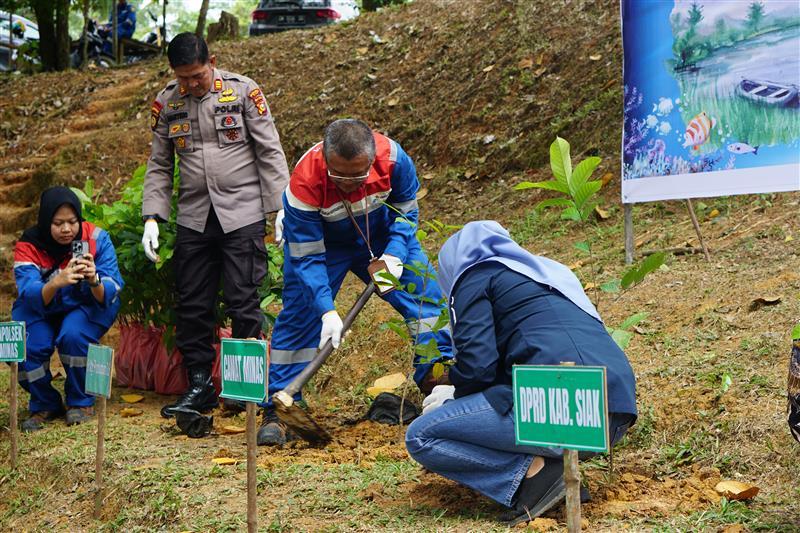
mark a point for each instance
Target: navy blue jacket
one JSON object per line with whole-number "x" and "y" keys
{"x": 501, "y": 318}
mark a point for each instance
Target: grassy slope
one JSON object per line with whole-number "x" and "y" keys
{"x": 434, "y": 91}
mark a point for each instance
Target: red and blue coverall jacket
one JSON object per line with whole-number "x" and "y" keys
{"x": 322, "y": 245}
{"x": 32, "y": 264}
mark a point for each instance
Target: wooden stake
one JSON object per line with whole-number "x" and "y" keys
{"x": 629, "y": 244}
{"x": 572, "y": 478}
{"x": 252, "y": 514}
{"x": 99, "y": 456}
{"x": 12, "y": 405}
{"x": 697, "y": 229}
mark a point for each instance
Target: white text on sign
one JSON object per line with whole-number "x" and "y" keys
{"x": 8, "y": 351}
{"x": 249, "y": 371}
{"x": 536, "y": 403}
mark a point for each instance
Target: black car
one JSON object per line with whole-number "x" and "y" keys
{"x": 278, "y": 15}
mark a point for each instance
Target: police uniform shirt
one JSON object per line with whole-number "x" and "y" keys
{"x": 230, "y": 155}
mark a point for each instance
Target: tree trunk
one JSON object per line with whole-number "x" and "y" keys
{"x": 201, "y": 20}
{"x": 47, "y": 32}
{"x": 85, "y": 36}
{"x": 63, "y": 42}
{"x": 114, "y": 30}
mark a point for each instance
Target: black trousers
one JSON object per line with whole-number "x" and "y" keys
{"x": 239, "y": 258}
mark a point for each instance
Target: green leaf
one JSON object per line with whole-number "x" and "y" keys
{"x": 570, "y": 213}
{"x": 586, "y": 191}
{"x": 726, "y": 382}
{"x": 652, "y": 262}
{"x": 554, "y": 202}
{"x": 550, "y": 185}
{"x": 411, "y": 288}
{"x": 628, "y": 278}
{"x": 633, "y": 320}
{"x": 399, "y": 328}
{"x": 428, "y": 351}
{"x": 583, "y": 171}
{"x": 422, "y": 234}
{"x": 560, "y": 162}
{"x": 583, "y": 246}
{"x": 81, "y": 196}
{"x": 621, "y": 337}
{"x": 610, "y": 286}
{"x": 796, "y": 332}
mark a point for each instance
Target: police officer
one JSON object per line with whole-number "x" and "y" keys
{"x": 232, "y": 174}
{"x": 351, "y": 198}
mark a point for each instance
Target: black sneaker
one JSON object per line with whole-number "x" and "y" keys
{"x": 538, "y": 494}
{"x": 272, "y": 431}
{"x": 79, "y": 415}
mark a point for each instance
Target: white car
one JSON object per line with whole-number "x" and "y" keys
{"x": 16, "y": 31}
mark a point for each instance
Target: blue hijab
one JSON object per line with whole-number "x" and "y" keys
{"x": 486, "y": 240}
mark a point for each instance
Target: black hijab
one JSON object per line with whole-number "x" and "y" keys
{"x": 40, "y": 235}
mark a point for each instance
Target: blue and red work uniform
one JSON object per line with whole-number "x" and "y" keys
{"x": 71, "y": 321}
{"x": 322, "y": 245}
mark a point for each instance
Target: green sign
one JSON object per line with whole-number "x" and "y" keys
{"x": 98, "y": 370}
{"x": 561, "y": 406}
{"x": 12, "y": 342}
{"x": 244, "y": 370}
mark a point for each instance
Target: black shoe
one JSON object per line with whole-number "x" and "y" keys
{"x": 79, "y": 415}
{"x": 37, "y": 420}
{"x": 192, "y": 423}
{"x": 538, "y": 494}
{"x": 200, "y": 396}
{"x": 272, "y": 431}
{"x": 233, "y": 406}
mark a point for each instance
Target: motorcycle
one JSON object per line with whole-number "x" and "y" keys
{"x": 95, "y": 52}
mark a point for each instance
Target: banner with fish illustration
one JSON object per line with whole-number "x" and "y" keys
{"x": 711, "y": 105}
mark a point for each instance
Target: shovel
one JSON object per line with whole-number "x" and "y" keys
{"x": 295, "y": 418}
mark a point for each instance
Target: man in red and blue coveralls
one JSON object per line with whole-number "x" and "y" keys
{"x": 372, "y": 175}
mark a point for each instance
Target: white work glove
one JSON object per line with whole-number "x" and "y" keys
{"x": 437, "y": 397}
{"x": 394, "y": 265}
{"x": 331, "y": 329}
{"x": 150, "y": 240}
{"x": 279, "y": 226}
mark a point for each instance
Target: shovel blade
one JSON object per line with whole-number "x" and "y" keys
{"x": 299, "y": 421}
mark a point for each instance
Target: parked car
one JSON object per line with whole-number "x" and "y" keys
{"x": 278, "y": 15}
{"x": 20, "y": 31}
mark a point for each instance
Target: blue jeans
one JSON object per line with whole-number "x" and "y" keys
{"x": 467, "y": 441}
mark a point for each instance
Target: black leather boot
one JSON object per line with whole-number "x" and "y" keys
{"x": 200, "y": 396}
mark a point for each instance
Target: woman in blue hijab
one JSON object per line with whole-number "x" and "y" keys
{"x": 509, "y": 307}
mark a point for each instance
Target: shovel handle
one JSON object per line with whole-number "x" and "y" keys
{"x": 323, "y": 354}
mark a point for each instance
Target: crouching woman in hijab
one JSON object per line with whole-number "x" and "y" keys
{"x": 66, "y": 302}
{"x": 509, "y": 307}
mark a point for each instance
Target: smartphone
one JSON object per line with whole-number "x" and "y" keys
{"x": 79, "y": 249}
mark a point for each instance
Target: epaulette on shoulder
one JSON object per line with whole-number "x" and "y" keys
{"x": 233, "y": 76}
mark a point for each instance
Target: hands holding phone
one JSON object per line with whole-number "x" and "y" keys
{"x": 77, "y": 270}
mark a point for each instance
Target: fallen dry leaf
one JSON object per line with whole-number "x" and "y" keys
{"x": 392, "y": 102}
{"x": 428, "y": 176}
{"x": 489, "y": 68}
{"x": 422, "y": 193}
{"x": 608, "y": 176}
{"x": 127, "y": 412}
{"x": 132, "y": 398}
{"x": 362, "y": 51}
{"x": 224, "y": 461}
{"x": 231, "y": 430}
{"x": 714, "y": 213}
{"x": 758, "y": 303}
{"x": 734, "y": 528}
{"x": 525, "y": 63}
{"x": 602, "y": 214}
{"x": 736, "y": 490}
{"x": 595, "y": 57}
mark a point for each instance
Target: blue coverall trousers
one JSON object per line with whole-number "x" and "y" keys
{"x": 71, "y": 333}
